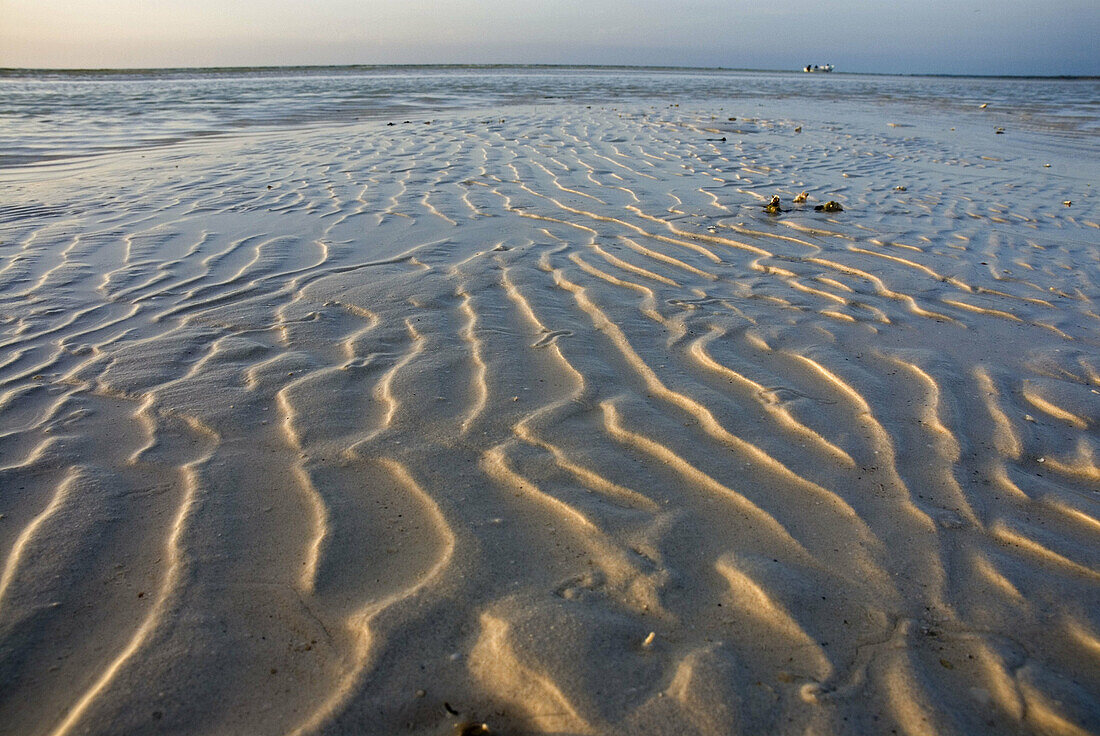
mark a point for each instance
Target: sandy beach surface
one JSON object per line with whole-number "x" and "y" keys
{"x": 529, "y": 419}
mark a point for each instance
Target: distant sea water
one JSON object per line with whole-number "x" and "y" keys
{"x": 48, "y": 115}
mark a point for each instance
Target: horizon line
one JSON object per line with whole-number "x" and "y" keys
{"x": 510, "y": 65}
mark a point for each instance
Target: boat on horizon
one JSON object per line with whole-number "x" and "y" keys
{"x": 816, "y": 68}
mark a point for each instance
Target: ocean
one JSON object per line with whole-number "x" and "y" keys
{"x": 46, "y": 115}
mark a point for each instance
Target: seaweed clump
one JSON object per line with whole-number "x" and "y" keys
{"x": 829, "y": 206}
{"x": 773, "y": 207}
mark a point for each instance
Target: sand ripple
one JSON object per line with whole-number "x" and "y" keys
{"x": 543, "y": 422}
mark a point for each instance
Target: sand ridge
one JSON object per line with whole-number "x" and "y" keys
{"x": 379, "y": 429}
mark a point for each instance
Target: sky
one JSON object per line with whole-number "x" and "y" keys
{"x": 909, "y": 36}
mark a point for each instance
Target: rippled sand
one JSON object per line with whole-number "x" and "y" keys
{"x": 540, "y": 421}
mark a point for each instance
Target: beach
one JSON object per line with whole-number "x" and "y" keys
{"x": 518, "y": 413}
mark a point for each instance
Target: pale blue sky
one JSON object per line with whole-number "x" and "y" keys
{"x": 937, "y": 36}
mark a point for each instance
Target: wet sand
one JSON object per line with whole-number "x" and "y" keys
{"x": 534, "y": 418}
